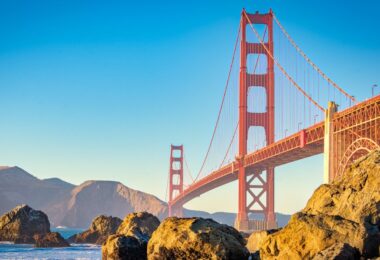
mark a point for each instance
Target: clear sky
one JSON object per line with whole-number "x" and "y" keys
{"x": 100, "y": 89}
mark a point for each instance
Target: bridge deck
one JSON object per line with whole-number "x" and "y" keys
{"x": 281, "y": 152}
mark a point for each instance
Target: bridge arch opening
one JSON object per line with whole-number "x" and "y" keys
{"x": 257, "y": 99}
{"x": 176, "y": 179}
{"x": 176, "y": 165}
{"x": 256, "y": 138}
{"x": 176, "y": 153}
{"x": 355, "y": 150}
{"x": 257, "y": 63}
{"x": 262, "y": 29}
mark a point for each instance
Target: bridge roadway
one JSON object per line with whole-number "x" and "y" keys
{"x": 305, "y": 143}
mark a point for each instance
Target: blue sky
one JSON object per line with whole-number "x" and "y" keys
{"x": 100, "y": 89}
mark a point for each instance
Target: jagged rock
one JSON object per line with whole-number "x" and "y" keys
{"x": 306, "y": 235}
{"x": 52, "y": 239}
{"x": 338, "y": 251}
{"x": 196, "y": 238}
{"x": 120, "y": 247}
{"x": 131, "y": 238}
{"x": 101, "y": 227}
{"x": 345, "y": 211}
{"x": 256, "y": 239}
{"x": 140, "y": 225}
{"x": 22, "y": 223}
{"x": 355, "y": 197}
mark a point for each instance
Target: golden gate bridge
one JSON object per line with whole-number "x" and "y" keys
{"x": 277, "y": 107}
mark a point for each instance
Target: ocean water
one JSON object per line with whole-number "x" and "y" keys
{"x": 67, "y": 232}
{"x": 76, "y": 251}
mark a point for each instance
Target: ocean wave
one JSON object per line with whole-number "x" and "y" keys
{"x": 6, "y": 243}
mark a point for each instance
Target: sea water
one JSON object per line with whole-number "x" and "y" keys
{"x": 76, "y": 251}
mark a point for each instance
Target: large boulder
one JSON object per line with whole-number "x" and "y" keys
{"x": 120, "y": 247}
{"x": 22, "y": 223}
{"x": 101, "y": 227}
{"x": 52, "y": 239}
{"x": 345, "y": 211}
{"x": 339, "y": 251}
{"x": 131, "y": 238}
{"x": 140, "y": 225}
{"x": 256, "y": 239}
{"x": 196, "y": 238}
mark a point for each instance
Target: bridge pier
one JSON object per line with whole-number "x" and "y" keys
{"x": 257, "y": 184}
{"x": 175, "y": 211}
{"x": 270, "y": 215}
{"x": 329, "y": 156}
{"x": 256, "y": 188}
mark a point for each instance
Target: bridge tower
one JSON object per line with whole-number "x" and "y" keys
{"x": 254, "y": 184}
{"x": 175, "y": 179}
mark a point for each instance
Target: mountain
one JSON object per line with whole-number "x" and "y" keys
{"x": 70, "y": 205}
{"x": 93, "y": 198}
{"x": 76, "y": 206}
{"x": 19, "y": 187}
{"x": 59, "y": 183}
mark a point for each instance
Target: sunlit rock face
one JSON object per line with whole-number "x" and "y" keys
{"x": 131, "y": 238}
{"x": 196, "y": 238}
{"x": 345, "y": 211}
{"x": 256, "y": 239}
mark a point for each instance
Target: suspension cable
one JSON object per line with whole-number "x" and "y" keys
{"x": 188, "y": 169}
{"x": 167, "y": 188}
{"x": 270, "y": 54}
{"x": 237, "y": 125}
{"x": 229, "y": 146}
{"x": 315, "y": 67}
{"x": 221, "y": 105}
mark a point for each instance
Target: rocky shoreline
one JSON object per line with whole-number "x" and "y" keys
{"x": 340, "y": 221}
{"x": 24, "y": 225}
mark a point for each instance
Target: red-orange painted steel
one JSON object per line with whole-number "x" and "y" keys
{"x": 281, "y": 152}
{"x": 249, "y": 119}
{"x": 175, "y": 179}
{"x": 355, "y": 131}
{"x": 242, "y": 194}
{"x": 289, "y": 149}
